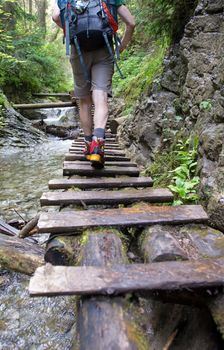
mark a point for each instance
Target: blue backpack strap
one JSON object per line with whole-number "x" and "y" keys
{"x": 112, "y": 54}
{"x": 67, "y": 36}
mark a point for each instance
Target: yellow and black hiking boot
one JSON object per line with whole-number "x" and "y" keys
{"x": 97, "y": 153}
{"x": 86, "y": 150}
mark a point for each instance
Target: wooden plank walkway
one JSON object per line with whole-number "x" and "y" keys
{"x": 56, "y": 184}
{"x": 169, "y": 275}
{"x": 69, "y": 221}
{"x": 100, "y": 275}
{"x": 106, "y": 197}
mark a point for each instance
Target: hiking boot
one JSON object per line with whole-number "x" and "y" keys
{"x": 97, "y": 153}
{"x": 86, "y": 150}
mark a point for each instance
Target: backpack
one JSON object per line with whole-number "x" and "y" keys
{"x": 89, "y": 25}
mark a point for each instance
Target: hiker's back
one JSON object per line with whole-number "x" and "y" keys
{"x": 90, "y": 22}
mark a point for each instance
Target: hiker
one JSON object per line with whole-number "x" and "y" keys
{"x": 96, "y": 63}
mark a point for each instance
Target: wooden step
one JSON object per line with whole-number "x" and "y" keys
{"x": 87, "y": 170}
{"x": 74, "y": 156}
{"x": 117, "y": 279}
{"x": 106, "y": 149}
{"x": 112, "y": 152}
{"x": 107, "y": 145}
{"x": 151, "y": 195}
{"x": 108, "y": 163}
{"x": 69, "y": 221}
{"x": 107, "y": 134}
{"x": 108, "y": 139}
{"x": 56, "y": 184}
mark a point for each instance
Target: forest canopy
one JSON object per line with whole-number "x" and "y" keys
{"x": 32, "y": 57}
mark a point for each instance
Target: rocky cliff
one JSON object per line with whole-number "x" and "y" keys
{"x": 190, "y": 96}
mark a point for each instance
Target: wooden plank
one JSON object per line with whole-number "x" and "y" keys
{"x": 70, "y": 220}
{"x": 108, "y": 163}
{"x": 107, "y": 145}
{"x": 107, "y": 134}
{"x": 44, "y": 105}
{"x": 112, "y": 152}
{"x": 151, "y": 195}
{"x": 56, "y": 184}
{"x": 8, "y": 229}
{"x": 106, "y": 148}
{"x": 108, "y": 139}
{"x": 51, "y": 280}
{"x": 88, "y": 170}
{"x": 52, "y": 94}
{"x": 111, "y": 158}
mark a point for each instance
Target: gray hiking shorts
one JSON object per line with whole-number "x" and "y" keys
{"x": 100, "y": 67}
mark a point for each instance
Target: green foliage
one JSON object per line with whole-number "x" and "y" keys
{"x": 161, "y": 18}
{"x": 28, "y": 62}
{"x": 177, "y": 170}
{"x": 140, "y": 70}
{"x": 206, "y": 105}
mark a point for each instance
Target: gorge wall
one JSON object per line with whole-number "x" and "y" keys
{"x": 190, "y": 95}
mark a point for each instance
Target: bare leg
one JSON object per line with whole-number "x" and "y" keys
{"x": 100, "y": 108}
{"x": 85, "y": 104}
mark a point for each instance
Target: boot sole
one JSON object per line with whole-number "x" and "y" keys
{"x": 96, "y": 161}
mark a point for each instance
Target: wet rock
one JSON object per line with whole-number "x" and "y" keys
{"x": 18, "y": 131}
{"x": 208, "y": 241}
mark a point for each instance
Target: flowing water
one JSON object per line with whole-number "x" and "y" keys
{"x": 25, "y": 174}
{"x": 31, "y": 323}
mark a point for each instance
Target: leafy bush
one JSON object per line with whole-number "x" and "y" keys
{"x": 140, "y": 69}
{"x": 28, "y": 62}
{"x": 176, "y": 169}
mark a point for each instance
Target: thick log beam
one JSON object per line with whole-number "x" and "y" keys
{"x": 103, "y": 322}
{"x": 20, "y": 255}
{"x": 44, "y": 105}
{"x": 158, "y": 244}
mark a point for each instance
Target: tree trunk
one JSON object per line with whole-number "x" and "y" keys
{"x": 41, "y": 6}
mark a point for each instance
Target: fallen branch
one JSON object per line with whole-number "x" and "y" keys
{"x": 25, "y": 232}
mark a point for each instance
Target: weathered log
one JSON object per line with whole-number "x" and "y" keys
{"x": 44, "y": 105}
{"x": 29, "y": 227}
{"x": 103, "y": 322}
{"x": 52, "y": 94}
{"x": 59, "y": 251}
{"x": 114, "y": 124}
{"x": 216, "y": 307}
{"x": 158, "y": 244}
{"x": 19, "y": 255}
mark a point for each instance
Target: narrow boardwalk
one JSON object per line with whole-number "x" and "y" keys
{"x": 122, "y": 198}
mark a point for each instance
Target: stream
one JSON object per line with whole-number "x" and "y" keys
{"x": 25, "y": 174}
{"x": 31, "y": 323}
